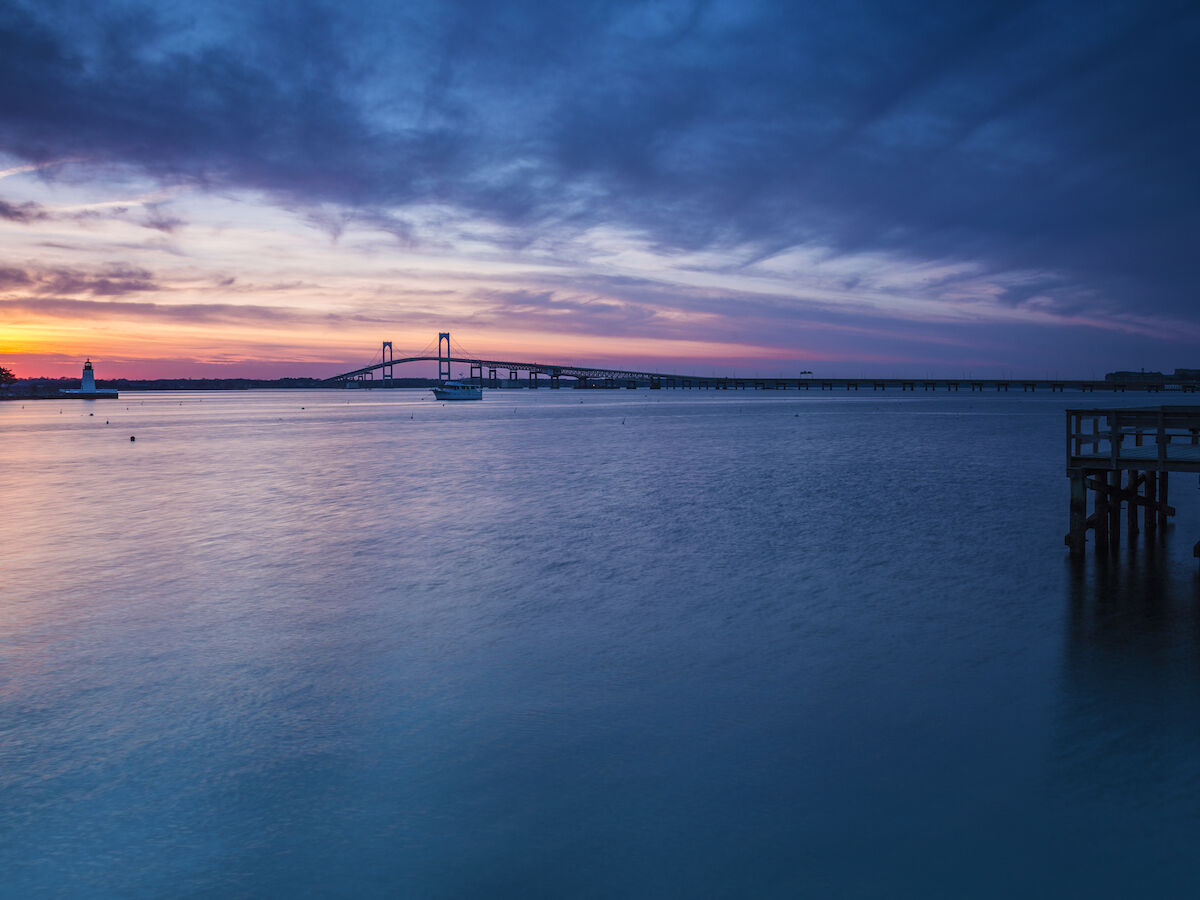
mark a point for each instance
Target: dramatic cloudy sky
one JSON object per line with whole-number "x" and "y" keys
{"x": 239, "y": 188}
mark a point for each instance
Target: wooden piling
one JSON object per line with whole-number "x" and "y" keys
{"x": 1163, "y": 500}
{"x": 1150, "y": 514}
{"x": 1114, "y": 509}
{"x": 1131, "y": 497}
{"x": 1100, "y": 527}
{"x": 1077, "y": 538}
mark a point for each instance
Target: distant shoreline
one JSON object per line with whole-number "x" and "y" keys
{"x": 48, "y": 388}
{"x": 1186, "y": 381}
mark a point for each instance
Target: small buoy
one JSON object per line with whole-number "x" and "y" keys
{"x": 132, "y": 438}
{"x": 302, "y": 407}
{"x": 91, "y": 414}
{"x": 106, "y": 421}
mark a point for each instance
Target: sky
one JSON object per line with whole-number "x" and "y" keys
{"x": 251, "y": 189}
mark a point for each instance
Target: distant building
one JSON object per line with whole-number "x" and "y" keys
{"x": 1142, "y": 376}
{"x": 1179, "y": 376}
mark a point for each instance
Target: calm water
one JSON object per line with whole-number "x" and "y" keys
{"x": 617, "y": 644}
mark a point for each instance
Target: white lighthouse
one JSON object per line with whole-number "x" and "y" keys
{"x": 87, "y": 387}
{"x": 89, "y": 379}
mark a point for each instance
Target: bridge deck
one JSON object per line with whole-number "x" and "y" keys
{"x": 630, "y": 378}
{"x": 585, "y": 374}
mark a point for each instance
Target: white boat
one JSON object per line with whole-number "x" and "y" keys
{"x": 456, "y": 390}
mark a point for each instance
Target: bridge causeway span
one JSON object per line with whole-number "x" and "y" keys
{"x": 382, "y": 374}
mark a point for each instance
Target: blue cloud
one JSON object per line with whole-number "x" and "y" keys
{"x": 1053, "y": 137}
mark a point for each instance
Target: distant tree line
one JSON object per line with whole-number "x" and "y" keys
{"x": 13, "y": 388}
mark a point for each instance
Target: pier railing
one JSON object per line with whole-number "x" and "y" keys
{"x": 1161, "y": 438}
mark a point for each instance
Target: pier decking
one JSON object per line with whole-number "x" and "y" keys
{"x": 1125, "y": 456}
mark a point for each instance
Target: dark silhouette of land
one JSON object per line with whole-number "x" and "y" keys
{"x": 48, "y": 388}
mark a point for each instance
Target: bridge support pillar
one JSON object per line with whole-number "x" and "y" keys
{"x": 492, "y": 382}
{"x": 385, "y": 356}
{"x": 444, "y": 359}
{"x": 476, "y": 374}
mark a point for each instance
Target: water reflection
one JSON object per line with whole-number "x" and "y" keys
{"x": 1126, "y": 753}
{"x": 1141, "y": 604}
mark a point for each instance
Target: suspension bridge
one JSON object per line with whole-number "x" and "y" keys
{"x": 486, "y": 372}
{"x": 536, "y": 373}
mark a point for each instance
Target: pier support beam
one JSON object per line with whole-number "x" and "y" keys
{"x": 1101, "y": 515}
{"x": 1114, "y": 509}
{"x": 1150, "y": 510}
{"x": 1131, "y": 497}
{"x": 1077, "y": 537}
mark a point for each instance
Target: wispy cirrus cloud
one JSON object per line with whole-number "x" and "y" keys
{"x": 111, "y": 280}
{"x": 198, "y": 313}
{"x": 23, "y": 213}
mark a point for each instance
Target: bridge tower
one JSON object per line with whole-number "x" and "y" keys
{"x": 386, "y": 357}
{"x": 444, "y": 361}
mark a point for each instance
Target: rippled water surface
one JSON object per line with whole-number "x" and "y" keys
{"x": 596, "y": 644}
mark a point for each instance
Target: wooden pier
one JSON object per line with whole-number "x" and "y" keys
{"x": 1125, "y": 456}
